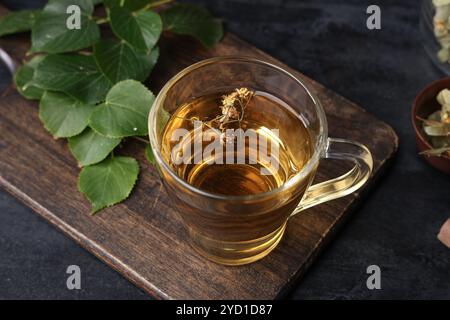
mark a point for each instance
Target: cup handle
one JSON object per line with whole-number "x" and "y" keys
{"x": 349, "y": 182}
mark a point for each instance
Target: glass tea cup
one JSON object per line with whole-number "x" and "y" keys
{"x": 240, "y": 229}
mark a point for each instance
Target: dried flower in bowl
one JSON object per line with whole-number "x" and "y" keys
{"x": 437, "y": 127}
{"x": 441, "y": 23}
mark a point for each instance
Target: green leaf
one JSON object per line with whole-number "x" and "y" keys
{"x": 118, "y": 61}
{"x": 75, "y": 75}
{"x": 23, "y": 78}
{"x": 150, "y": 24}
{"x": 140, "y": 30}
{"x": 125, "y": 111}
{"x": 63, "y": 115}
{"x": 195, "y": 21}
{"x": 50, "y": 33}
{"x": 109, "y": 181}
{"x": 90, "y": 147}
{"x": 88, "y": 78}
{"x": 19, "y": 21}
{"x": 152, "y": 60}
{"x": 149, "y": 155}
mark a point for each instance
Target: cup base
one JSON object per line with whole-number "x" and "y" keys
{"x": 236, "y": 253}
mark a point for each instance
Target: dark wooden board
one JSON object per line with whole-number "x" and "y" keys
{"x": 143, "y": 238}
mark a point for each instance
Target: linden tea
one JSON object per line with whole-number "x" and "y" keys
{"x": 259, "y": 142}
{"x": 239, "y": 162}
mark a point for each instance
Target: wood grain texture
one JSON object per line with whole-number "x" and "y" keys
{"x": 143, "y": 238}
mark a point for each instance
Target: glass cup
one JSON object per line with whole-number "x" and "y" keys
{"x": 236, "y": 230}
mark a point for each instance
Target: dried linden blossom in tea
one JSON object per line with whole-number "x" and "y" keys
{"x": 233, "y": 109}
{"x": 437, "y": 126}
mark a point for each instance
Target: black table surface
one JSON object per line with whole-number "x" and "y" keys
{"x": 396, "y": 226}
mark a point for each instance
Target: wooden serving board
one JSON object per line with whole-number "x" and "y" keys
{"x": 143, "y": 238}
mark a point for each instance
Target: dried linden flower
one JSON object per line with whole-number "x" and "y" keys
{"x": 233, "y": 108}
{"x": 229, "y": 100}
{"x": 437, "y": 126}
{"x": 441, "y": 22}
{"x": 444, "y": 100}
{"x": 230, "y": 113}
{"x": 244, "y": 93}
{"x": 439, "y": 3}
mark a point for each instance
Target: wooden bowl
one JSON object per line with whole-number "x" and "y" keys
{"x": 424, "y": 105}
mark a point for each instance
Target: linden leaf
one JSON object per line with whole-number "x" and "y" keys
{"x": 125, "y": 111}
{"x": 118, "y": 61}
{"x": 75, "y": 75}
{"x": 150, "y": 24}
{"x": 108, "y": 182}
{"x": 193, "y": 20}
{"x": 51, "y": 34}
{"x": 149, "y": 155}
{"x": 63, "y": 115}
{"x": 23, "y": 78}
{"x": 88, "y": 78}
{"x": 140, "y": 30}
{"x": 19, "y": 21}
{"x": 90, "y": 147}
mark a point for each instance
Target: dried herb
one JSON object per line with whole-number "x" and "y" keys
{"x": 442, "y": 28}
{"x": 437, "y": 127}
{"x": 232, "y": 111}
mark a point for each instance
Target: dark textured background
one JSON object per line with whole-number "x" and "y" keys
{"x": 395, "y": 228}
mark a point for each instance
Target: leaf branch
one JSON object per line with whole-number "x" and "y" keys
{"x": 101, "y": 20}
{"x": 156, "y": 4}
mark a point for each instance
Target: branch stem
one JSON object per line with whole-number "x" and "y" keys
{"x": 156, "y": 4}
{"x": 101, "y": 20}
{"x": 140, "y": 139}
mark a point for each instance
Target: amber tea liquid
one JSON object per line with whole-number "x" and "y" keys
{"x": 249, "y": 226}
{"x": 263, "y": 112}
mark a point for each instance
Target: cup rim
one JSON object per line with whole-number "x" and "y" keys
{"x": 320, "y": 147}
